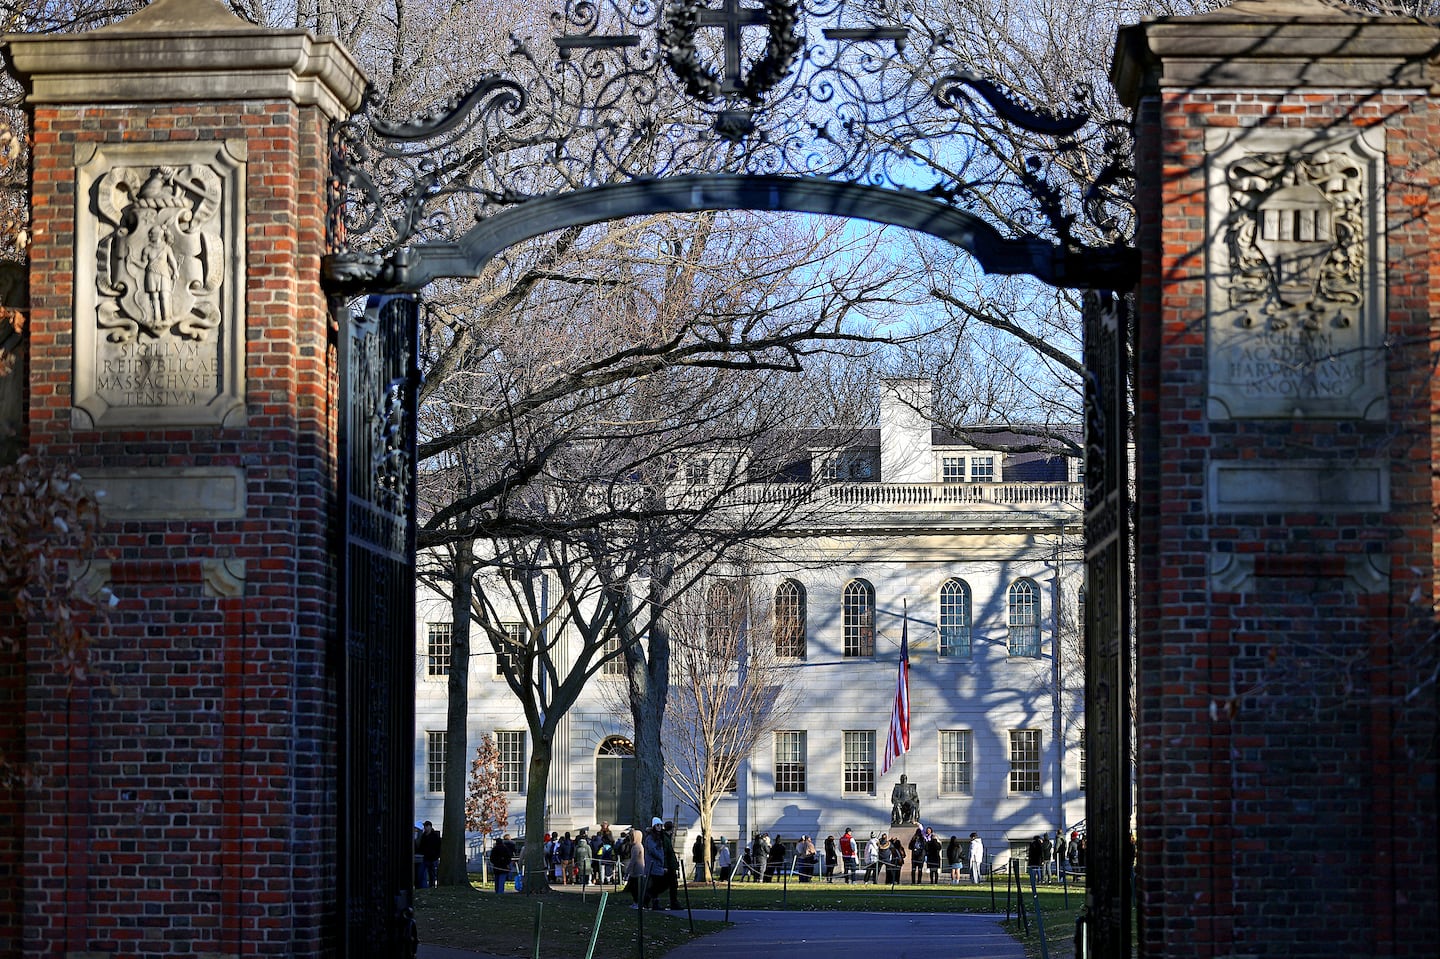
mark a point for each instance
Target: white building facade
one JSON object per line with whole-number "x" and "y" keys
{"x": 975, "y": 555}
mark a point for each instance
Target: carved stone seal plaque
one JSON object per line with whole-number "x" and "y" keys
{"x": 159, "y": 324}
{"x": 1294, "y": 275}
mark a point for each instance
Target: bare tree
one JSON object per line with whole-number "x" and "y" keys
{"x": 730, "y": 690}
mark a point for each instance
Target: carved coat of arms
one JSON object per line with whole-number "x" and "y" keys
{"x": 1296, "y": 236}
{"x": 160, "y": 265}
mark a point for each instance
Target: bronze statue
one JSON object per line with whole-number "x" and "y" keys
{"x": 904, "y": 802}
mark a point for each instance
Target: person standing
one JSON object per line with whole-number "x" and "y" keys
{"x": 917, "y": 856}
{"x": 654, "y": 845}
{"x": 847, "y": 855}
{"x": 932, "y": 856}
{"x": 722, "y": 861}
{"x": 1061, "y": 862}
{"x": 697, "y": 857}
{"x": 1047, "y": 863}
{"x": 635, "y": 870}
{"x": 977, "y": 857}
{"x": 952, "y": 859}
{"x": 582, "y": 859}
{"x": 428, "y": 846}
{"x": 672, "y": 865}
{"x": 1035, "y": 858}
{"x": 502, "y": 857}
{"x": 872, "y": 859}
{"x": 776, "y": 860}
{"x": 832, "y": 856}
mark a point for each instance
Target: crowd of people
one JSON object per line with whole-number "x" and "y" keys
{"x": 645, "y": 859}
{"x": 879, "y": 859}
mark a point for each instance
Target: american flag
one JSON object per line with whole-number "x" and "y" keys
{"x": 898, "y": 742}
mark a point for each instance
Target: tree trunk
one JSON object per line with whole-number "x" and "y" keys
{"x": 537, "y": 876}
{"x": 707, "y": 826}
{"x": 453, "y": 870}
{"x": 647, "y": 710}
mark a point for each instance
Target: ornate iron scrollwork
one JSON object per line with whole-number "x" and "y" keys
{"x": 816, "y": 90}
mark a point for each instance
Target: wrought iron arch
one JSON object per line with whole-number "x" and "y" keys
{"x": 836, "y": 112}
{"x": 995, "y": 253}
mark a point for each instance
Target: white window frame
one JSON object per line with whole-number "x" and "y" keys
{"x": 435, "y": 760}
{"x": 790, "y": 629}
{"x": 962, "y": 647}
{"x": 857, "y": 776}
{"x": 1023, "y": 618}
{"x": 957, "y": 762}
{"x": 1026, "y": 752}
{"x": 857, "y": 620}
{"x": 510, "y": 764}
{"x": 439, "y": 642}
{"x": 790, "y": 762}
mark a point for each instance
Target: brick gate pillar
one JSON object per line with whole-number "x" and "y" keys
{"x": 1285, "y": 425}
{"x": 183, "y": 798}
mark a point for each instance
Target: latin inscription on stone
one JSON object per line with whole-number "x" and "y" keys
{"x": 159, "y": 327}
{"x": 167, "y": 372}
{"x": 1294, "y": 289}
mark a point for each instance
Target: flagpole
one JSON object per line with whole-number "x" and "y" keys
{"x": 904, "y": 632}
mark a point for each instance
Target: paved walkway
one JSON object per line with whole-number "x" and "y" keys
{"x": 834, "y": 935}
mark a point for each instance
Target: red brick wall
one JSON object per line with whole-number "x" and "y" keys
{"x": 1286, "y": 797}
{"x": 185, "y": 791}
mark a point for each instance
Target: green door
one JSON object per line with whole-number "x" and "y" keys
{"x": 615, "y": 781}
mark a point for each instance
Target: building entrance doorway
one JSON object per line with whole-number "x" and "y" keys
{"x": 615, "y": 780}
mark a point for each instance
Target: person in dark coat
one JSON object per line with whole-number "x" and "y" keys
{"x": 932, "y": 856}
{"x": 697, "y": 857}
{"x": 917, "y": 855}
{"x": 776, "y": 860}
{"x": 502, "y": 858}
{"x": 428, "y": 846}
{"x": 1035, "y": 857}
{"x": 832, "y": 856}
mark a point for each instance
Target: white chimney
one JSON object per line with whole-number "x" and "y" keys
{"x": 906, "y": 455}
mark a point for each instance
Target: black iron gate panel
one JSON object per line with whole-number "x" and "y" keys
{"x": 378, "y": 379}
{"x": 1108, "y": 852}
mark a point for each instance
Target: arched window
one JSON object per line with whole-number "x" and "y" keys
{"x": 858, "y": 609}
{"x": 790, "y": 620}
{"x": 722, "y": 619}
{"x": 954, "y": 620}
{"x": 1024, "y": 618}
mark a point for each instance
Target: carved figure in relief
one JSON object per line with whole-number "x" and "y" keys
{"x": 1295, "y": 237}
{"x": 160, "y": 273}
{"x": 160, "y": 256}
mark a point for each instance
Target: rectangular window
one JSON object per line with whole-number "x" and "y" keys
{"x": 732, "y": 780}
{"x": 514, "y": 642}
{"x": 614, "y": 667}
{"x": 982, "y": 469}
{"x": 790, "y": 761}
{"x": 952, "y": 469}
{"x": 511, "y": 745}
{"x": 1024, "y": 760}
{"x": 859, "y": 774}
{"x": 955, "y": 767}
{"x": 829, "y": 469}
{"x": 438, "y": 637}
{"x": 435, "y": 761}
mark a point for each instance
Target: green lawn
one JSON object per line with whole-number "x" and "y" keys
{"x": 504, "y": 925}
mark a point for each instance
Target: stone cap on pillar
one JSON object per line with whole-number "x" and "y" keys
{"x": 1269, "y": 44}
{"x": 187, "y": 50}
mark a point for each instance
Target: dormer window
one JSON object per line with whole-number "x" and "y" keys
{"x": 968, "y": 467}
